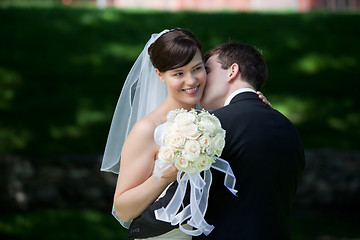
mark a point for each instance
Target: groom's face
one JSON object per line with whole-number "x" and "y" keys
{"x": 216, "y": 85}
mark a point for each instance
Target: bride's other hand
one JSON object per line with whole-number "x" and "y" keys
{"x": 170, "y": 174}
{"x": 263, "y": 98}
{"x": 136, "y": 188}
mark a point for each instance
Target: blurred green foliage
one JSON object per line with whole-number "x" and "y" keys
{"x": 61, "y": 224}
{"x": 92, "y": 225}
{"x": 62, "y": 69}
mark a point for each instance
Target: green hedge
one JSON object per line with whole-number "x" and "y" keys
{"x": 61, "y": 70}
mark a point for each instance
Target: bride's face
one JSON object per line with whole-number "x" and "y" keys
{"x": 185, "y": 85}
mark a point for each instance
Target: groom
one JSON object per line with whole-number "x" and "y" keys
{"x": 262, "y": 147}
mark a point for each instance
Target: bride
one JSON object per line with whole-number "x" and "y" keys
{"x": 169, "y": 74}
{"x": 176, "y": 80}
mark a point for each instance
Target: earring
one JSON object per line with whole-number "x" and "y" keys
{"x": 163, "y": 81}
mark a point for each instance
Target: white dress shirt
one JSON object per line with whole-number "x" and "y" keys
{"x": 241, "y": 90}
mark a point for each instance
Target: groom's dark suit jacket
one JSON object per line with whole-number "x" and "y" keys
{"x": 266, "y": 155}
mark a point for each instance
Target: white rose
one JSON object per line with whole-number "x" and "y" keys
{"x": 220, "y": 130}
{"x": 210, "y": 151}
{"x": 175, "y": 140}
{"x": 191, "y": 150}
{"x": 184, "y": 119}
{"x": 218, "y": 143}
{"x": 208, "y": 124}
{"x": 221, "y": 133}
{"x": 170, "y": 128}
{"x": 203, "y": 163}
{"x": 205, "y": 141}
{"x": 183, "y": 164}
{"x": 191, "y": 131}
{"x": 215, "y": 120}
{"x": 166, "y": 153}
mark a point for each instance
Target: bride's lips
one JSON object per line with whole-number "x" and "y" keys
{"x": 192, "y": 90}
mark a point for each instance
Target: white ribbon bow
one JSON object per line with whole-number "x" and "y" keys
{"x": 199, "y": 194}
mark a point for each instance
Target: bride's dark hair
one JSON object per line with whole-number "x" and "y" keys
{"x": 174, "y": 49}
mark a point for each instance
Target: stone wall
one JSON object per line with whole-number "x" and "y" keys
{"x": 69, "y": 181}
{"x": 331, "y": 179}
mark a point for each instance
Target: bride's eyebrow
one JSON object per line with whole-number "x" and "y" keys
{"x": 176, "y": 70}
{"x": 181, "y": 69}
{"x": 200, "y": 63}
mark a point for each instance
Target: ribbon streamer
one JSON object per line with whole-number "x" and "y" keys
{"x": 199, "y": 194}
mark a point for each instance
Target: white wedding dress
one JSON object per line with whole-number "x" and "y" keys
{"x": 176, "y": 233}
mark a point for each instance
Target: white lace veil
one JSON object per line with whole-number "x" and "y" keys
{"x": 142, "y": 92}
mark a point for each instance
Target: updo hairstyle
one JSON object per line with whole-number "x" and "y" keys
{"x": 174, "y": 49}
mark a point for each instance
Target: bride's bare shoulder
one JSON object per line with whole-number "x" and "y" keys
{"x": 144, "y": 127}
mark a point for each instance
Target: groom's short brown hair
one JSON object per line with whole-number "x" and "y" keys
{"x": 251, "y": 62}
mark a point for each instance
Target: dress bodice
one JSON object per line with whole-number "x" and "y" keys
{"x": 159, "y": 134}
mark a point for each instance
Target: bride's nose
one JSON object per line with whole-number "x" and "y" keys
{"x": 191, "y": 80}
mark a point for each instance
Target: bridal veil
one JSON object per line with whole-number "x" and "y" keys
{"x": 142, "y": 92}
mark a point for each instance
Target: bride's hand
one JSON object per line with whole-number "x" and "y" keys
{"x": 170, "y": 174}
{"x": 263, "y": 98}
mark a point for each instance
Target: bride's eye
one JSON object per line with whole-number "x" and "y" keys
{"x": 198, "y": 68}
{"x": 178, "y": 74}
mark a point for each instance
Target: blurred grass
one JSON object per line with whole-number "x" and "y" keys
{"x": 92, "y": 224}
{"x": 321, "y": 228}
{"x": 61, "y": 70}
{"x": 61, "y": 224}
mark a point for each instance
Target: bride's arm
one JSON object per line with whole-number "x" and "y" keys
{"x": 136, "y": 189}
{"x": 263, "y": 98}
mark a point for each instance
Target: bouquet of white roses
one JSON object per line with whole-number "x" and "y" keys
{"x": 192, "y": 140}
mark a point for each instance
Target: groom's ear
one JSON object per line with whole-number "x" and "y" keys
{"x": 233, "y": 72}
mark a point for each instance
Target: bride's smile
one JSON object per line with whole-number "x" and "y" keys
{"x": 192, "y": 90}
